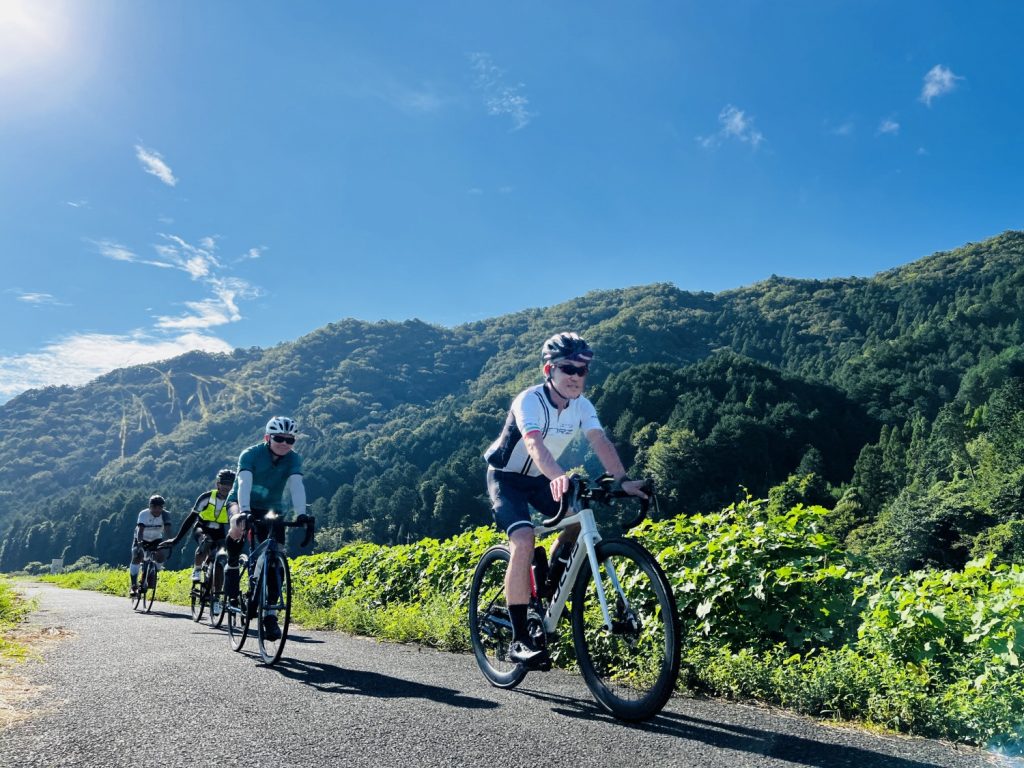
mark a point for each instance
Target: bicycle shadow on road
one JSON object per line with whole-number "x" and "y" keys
{"x": 781, "y": 746}
{"x": 333, "y": 679}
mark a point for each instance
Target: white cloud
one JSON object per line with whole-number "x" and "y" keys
{"x": 153, "y": 162}
{"x": 197, "y": 261}
{"x": 39, "y": 298}
{"x": 78, "y": 203}
{"x": 888, "y": 126}
{"x": 252, "y": 253}
{"x": 939, "y": 81}
{"x": 221, "y": 309}
{"x": 118, "y": 252}
{"x": 735, "y": 124}
{"x": 79, "y": 358}
{"x": 843, "y": 129}
{"x": 500, "y": 98}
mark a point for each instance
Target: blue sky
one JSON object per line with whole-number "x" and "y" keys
{"x": 178, "y": 175}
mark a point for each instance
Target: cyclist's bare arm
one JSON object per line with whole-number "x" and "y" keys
{"x": 546, "y": 463}
{"x": 611, "y": 462}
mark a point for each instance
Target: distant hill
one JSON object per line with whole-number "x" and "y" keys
{"x": 883, "y": 389}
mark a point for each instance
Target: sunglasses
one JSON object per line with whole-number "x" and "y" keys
{"x": 574, "y": 370}
{"x": 283, "y": 439}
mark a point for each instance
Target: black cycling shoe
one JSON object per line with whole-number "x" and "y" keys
{"x": 271, "y": 630}
{"x": 529, "y": 656}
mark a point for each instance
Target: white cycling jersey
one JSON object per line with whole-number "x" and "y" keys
{"x": 533, "y": 411}
{"x": 152, "y": 526}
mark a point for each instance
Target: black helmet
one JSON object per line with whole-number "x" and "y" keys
{"x": 225, "y": 477}
{"x": 157, "y": 499}
{"x": 566, "y": 346}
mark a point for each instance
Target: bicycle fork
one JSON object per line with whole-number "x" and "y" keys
{"x": 587, "y": 540}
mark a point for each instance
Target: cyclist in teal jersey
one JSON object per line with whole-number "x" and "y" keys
{"x": 265, "y": 471}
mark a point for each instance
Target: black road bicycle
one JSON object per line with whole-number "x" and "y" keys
{"x": 625, "y": 625}
{"x": 266, "y": 565}
{"x": 145, "y": 591}
{"x": 208, "y": 593}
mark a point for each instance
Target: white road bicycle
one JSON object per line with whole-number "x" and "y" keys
{"x": 625, "y": 625}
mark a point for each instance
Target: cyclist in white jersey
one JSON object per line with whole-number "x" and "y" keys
{"x": 153, "y": 525}
{"x": 524, "y": 472}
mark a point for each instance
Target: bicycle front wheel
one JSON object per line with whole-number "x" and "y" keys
{"x": 135, "y": 598}
{"x": 279, "y": 611}
{"x": 217, "y": 598}
{"x": 149, "y": 590}
{"x": 630, "y": 669}
{"x": 238, "y": 615}
{"x": 490, "y": 626}
{"x": 198, "y": 596}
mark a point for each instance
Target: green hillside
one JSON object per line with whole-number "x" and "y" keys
{"x": 896, "y": 400}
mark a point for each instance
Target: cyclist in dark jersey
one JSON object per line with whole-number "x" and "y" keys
{"x": 265, "y": 470}
{"x": 209, "y": 518}
{"x": 524, "y": 472}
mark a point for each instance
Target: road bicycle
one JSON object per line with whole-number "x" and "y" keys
{"x": 208, "y": 592}
{"x": 625, "y": 625}
{"x": 267, "y": 571}
{"x": 145, "y": 592}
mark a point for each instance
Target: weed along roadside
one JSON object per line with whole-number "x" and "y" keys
{"x": 771, "y": 610}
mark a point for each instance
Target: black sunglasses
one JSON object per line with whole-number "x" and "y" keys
{"x": 283, "y": 439}
{"x": 573, "y": 370}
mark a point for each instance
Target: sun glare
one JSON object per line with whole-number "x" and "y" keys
{"x": 32, "y": 33}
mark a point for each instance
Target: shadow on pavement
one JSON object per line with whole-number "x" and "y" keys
{"x": 333, "y": 679}
{"x": 793, "y": 749}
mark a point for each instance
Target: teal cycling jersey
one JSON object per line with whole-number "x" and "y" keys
{"x": 270, "y": 475}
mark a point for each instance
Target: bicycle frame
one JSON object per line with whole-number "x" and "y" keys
{"x": 589, "y": 536}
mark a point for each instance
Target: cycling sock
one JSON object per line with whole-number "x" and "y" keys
{"x": 231, "y": 579}
{"x": 518, "y": 615}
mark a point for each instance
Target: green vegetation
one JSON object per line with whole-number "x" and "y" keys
{"x": 901, "y": 394}
{"x": 772, "y": 609}
{"x": 13, "y": 610}
{"x": 881, "y": 418}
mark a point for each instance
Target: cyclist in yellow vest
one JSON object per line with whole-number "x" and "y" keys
{"x": 209, "y": 518}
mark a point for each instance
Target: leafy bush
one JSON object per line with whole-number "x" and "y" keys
{"x": 771, "y": 609}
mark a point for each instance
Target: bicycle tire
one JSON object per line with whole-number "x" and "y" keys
{"x": 217, "y": 597}
{"x": 632, "y": 670}
{"x": 149, "y": 593}
{"x": 238, "y": 616}
{"x": 137, "y": 597}
{"x": 490, "y": 627}
{"x": 198, "y": 598}
{"x": 271, "y": 650}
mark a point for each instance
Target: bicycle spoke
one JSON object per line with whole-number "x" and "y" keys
{"x": 278, "y": 610}
{"x": 490, "y": 628}
{"x": 632, "y": 667}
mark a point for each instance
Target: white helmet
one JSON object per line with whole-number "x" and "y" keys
{"x": 280, "y": 425}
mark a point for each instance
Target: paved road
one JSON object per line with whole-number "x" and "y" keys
{"x": 157, "y": 690}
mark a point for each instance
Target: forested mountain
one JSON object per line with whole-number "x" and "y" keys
{"x": 897, "y": 399}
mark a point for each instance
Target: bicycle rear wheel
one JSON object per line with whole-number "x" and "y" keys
{"x": 136, "y": 598}
{"x": 238, "y": 616}
{"x": 149, "y": 591}
{"x": 271, "y": 648}
{"x": 490, "y": 627}
{"x": 217, "y": 598}
{"x": 632, "y": 669}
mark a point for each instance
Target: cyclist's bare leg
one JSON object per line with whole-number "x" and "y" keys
{"x": 517, "y": 577}
{"x": 560, "y": 552}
